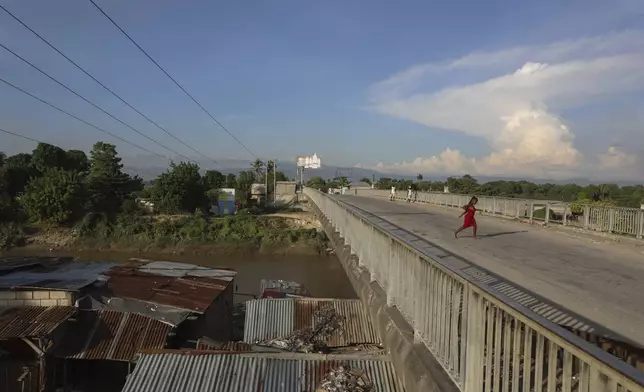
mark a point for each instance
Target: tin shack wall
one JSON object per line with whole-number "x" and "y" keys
{"x": 217, "y": 321}
{"x": 19, "y": 376}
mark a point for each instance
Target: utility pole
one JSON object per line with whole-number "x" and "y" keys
{"x": 266, "y": 184}
{"x": 275, "y": 181}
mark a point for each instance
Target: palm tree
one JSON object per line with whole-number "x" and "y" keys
{"x": 419, "y": 177}
{"x": 343, "y": 181}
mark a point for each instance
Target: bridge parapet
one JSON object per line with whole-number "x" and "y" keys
{"x": 481, "y": 338}
{"x": 604, "y": 219}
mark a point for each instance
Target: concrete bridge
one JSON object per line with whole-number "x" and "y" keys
{"x": 523, "y": 308}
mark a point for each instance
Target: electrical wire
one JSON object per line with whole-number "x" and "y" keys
{"x": 40, "y": 141}
{"x": 105, "y": 87}
{"x": 91, "y": 103}
{"x": 83, "y": 121}
{"x": 173, "y": 79}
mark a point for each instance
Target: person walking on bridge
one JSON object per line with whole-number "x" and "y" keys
{"x": 469, "y": 210}
{"x": 392, "y": 195}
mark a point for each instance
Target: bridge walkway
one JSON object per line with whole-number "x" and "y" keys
{"x": 596, "y": 278}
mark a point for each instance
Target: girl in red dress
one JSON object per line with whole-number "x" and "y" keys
{"x": 469, "y": 211}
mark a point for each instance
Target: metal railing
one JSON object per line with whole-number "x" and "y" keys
{"x": 612, "y": 220}
{"x": 484, "y": 340}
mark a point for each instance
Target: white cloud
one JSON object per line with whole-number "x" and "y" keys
{"x": 516, "y": 112}
{"x": 616, "y": 158}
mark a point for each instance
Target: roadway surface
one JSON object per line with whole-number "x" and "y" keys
{"x": 600, "y": 280}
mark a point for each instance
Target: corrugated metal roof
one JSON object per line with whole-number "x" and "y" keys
{"x": 107, "y": 334}
{"x": 32, "y": 321}
{"x": 67, "y": 276}
{"x": 274, "y": 318}
{"x": 9, "y": 263}
{"x": 179, "y": 270}
{"x": 194, "y": 293}
{"x": 250, "y": 372}
{"x": 207, "y": 344}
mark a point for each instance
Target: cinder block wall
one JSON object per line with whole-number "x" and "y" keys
{"x": 36, "y": 298}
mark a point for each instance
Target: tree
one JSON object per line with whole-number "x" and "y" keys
{"x": 181, "y": 188}
{"x": 108, "y": 185}
{"x": 245, "y": 181}
{"x": 343, "y": 182}
{"x": 280, "y": 176}
{"x": 231, "y": 180}
{"x": 258, "y": 171}
{"x": 76, "y": 160}
{"x": 419, "y": 177}
{"x": 213, "y": 179}
{"x": 17, "y": 171}
{"x": 55, "y": 198}
{"x": 316, "y": 182}
{"x": 3, "y": 157}
{"x": 46, "y": 156}
{"x": 365, "y": 179}
{"x": 19, "y": 160}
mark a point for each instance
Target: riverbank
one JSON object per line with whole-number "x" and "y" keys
{"x": 280, "y": 233}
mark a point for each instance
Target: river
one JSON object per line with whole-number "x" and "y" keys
{"x": 323, "y": 276}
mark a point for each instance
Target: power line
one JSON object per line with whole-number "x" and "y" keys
{"x": 90, "y": 102}
{"x": 21, "y": 136}
{"x": 171, "y": 78}
{"x": 81, "y": 120}
{"x": 40, "y": 141}
{"x": 104, "y": 86}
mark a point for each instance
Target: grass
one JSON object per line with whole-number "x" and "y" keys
{"x": 242, "y": 230}
{"x": 11, "y": 235}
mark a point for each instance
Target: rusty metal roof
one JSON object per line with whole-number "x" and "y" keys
{"x": 111, "y": 335}
{"x": 194, "y": 293}
{"x": 274, "y": 318}
{"x": 250, "y": 372}
{"x": 32, "y": 321}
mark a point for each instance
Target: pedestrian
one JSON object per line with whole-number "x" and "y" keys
{"x": 469, "y": 210}
{"x": 409, "y": 194}
{"x": 392, "y": 195}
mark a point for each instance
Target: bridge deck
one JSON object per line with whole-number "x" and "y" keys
{"x": 599, "y": 280}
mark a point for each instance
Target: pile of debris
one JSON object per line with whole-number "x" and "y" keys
{"x": 310, "y": 340}
{"x": 345, "y": 379}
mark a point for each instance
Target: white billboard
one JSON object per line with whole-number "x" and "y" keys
{"x": 310, "y": 162}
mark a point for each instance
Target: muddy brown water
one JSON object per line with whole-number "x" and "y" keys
{"x": 323, "y": 276}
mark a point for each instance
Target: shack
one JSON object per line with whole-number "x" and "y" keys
{"x": 26, "y": 334}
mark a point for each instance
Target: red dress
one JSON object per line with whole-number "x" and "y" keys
{"x": 469, "y": 217}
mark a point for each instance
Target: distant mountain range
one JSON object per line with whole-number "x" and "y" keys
{"x": 149, "y": 168}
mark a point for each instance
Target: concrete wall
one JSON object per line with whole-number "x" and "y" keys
{"x": 36, "y": 298}
{"x": 415, "y": 365}
{"x": 285, "y": 192}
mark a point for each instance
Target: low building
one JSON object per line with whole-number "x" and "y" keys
{"x": 286, "y": 192}
{"x": 47, "y": 281}
{"x": 250, "y": 372}
{"x": 97, "y": 349}
{"x": 26, "y": 334}
{"x": 277, "y": 318}
{"x": 198, "y": 300}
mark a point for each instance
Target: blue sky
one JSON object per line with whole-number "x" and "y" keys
{"x": 297, "y": 77}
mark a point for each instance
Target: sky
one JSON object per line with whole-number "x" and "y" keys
{"x": 548, "y": 89}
